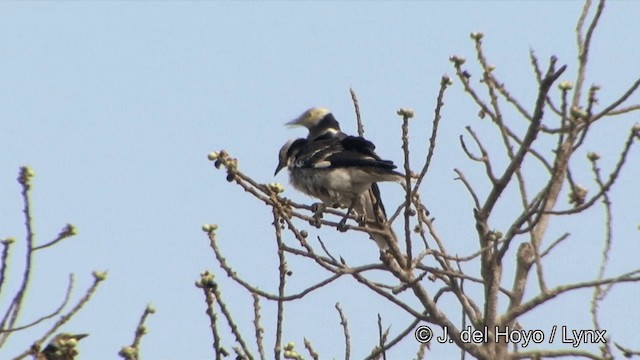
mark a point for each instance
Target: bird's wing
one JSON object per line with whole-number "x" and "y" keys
{"x": 359, "y": 144}
{"x": 349, "y": 151}
{"x": 348, "y": 158}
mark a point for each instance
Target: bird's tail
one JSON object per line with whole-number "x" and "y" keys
{"x": 371, "y": 207}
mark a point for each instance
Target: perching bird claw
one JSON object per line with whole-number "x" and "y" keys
{"x": 317, "y": 209}
{"x": 342, "y": 225}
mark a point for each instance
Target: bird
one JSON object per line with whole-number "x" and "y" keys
{"x": 338, "y": 170}
{"x": 61, "y": 347}
{"x": 322, "y": 124}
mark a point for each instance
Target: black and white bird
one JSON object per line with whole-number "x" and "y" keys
{"x": 62, "y": 347}
{"x": 351, "y": 170}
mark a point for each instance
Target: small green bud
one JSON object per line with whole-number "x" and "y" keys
{"x": 276, "y": 187}
{"x": 457, "y": 60}
{"x": 150, "y": 309}
{"x": 477, "y": 36}
{"x": 577, "y": 197}
{"x": 446, "y": 80}
{"x": 128, "y": 352}
{"x": 593, "y": 156}
{"x": 565, "y": 85}
{"x": 406, "y": 113}
{"x": 577, "y": 112}
{"x": 209, "y": 228}
{"x": 207, "y": 280}
{"x": 232, "y": 165}
{"x": 26, "y": 173}
{"x": 142, "y": 330}
{"x": 212, "y": 156}
{"x": 99, "y": 275}
{"x": 69, "y": 230}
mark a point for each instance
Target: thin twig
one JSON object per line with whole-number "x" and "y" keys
{"x": 97, "y": 279}
{"x": 406, "y": 115}
{"x": 345, "y": 331}
{"x": 538, "y": 74}
{"x": 598, "y": 292}
{"x": 551, "y": 76}
{"x": 252, "y": 289}
{"x": 444, "y": 83}
{"x": 67, "y": 232}
{"x": 312, "y": 353}
{"x": 356, "y": 106}
{"x": 382, "y": 338}
{"x": 466, "y": 183}
{"x": 282, "y": 272}
{"x": 6, "y": 246}
{"x": 13, "y": 310}
{"x": 55, "y": 312}
{"x": 584, "y": 45}
{"x": 132, "y": 352}
{"x": 613, "y": 176}
{"x": 206, "y": 281}
{"x": 215, "y": 291}
{"x": 611, "y": 109}
{"x": 256, "y": 324}
{"x": 626, "y": 352}
{"x": 388, "y": 345}
{"x": 552, "y": 293}
{"x": 553, "y": 244}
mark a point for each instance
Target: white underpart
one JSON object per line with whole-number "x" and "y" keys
{"x": 339, "y": 186}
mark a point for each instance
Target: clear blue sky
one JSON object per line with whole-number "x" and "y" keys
{"x": 115, "y": 106}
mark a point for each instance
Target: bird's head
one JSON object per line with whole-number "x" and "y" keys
{"x": 66, "y": 337}
{"x": 319, "y": 122}
{"x": 61, "y": 347}
{"x": 288, "y": 152}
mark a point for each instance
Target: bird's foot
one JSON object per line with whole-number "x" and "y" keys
{"x": 317, "y": 209}
{"x": 342, "y": 225}
{"x": 315, "y": 222}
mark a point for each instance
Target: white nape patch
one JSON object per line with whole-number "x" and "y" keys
{"x": 322, "y": 164}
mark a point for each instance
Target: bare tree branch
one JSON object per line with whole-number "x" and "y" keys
{"x": 345, "y": 331}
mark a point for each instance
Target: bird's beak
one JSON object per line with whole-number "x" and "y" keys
{"x": 294, "y": 122}
{"x": 80, "y": 336}
{"x": 281, "y": 165}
